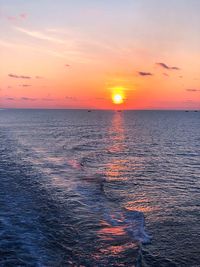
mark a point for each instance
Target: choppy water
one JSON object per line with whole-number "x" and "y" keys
{"x": 99, "y": 189}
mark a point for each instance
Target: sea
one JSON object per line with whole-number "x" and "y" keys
{"x": 92, "y": 188}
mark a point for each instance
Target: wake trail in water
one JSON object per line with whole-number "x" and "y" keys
{"x": 88, "y": 203}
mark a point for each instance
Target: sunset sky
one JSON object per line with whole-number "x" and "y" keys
{"x": 76, "y": 53}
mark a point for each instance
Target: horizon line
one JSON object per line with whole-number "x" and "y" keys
{"x": 96, "y": 109}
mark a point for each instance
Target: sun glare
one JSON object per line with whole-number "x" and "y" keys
{"x": 117, "y": 99}
{"x": 118, "y": 95}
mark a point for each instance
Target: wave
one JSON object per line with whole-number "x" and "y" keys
{"x": 78, "y": 187}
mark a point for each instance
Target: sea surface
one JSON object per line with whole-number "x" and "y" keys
{"x": 100, "y": 188}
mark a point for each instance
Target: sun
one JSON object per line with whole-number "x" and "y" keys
{"x": 117, "y": 98}
{"x": 118, "y": 95}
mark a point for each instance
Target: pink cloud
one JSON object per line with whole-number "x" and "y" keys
{"x": 23, "y": 16}
{"x": 11, "y": 18}
{"x": 18, "y": 17}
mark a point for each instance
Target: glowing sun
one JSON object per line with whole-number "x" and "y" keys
{"x": 117, "y": 98}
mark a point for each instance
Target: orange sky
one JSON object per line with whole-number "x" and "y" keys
{"x": 73, "y": 55}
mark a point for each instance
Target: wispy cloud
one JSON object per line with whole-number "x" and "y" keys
{"x": 18, "y": 76}
{"x": 25, "y": 85}
{"x": 40, "y": 35}
{"x": 28, "y": 98}
{"x": 165, "y": 74}
{"x": 14, "y": 45}
{"x": 193, "y": 90}
{"x": 143, "y": 73}
{"x": 59, "y": 54}
{"x": 6, "y": 43}
{"x": 23, "y": 15}
{"x": 10, "y": 98}
{"x": 23, "y": 98}
{"x": 14, "y": 18}
{"x": 11, "y": 18}
{"x": 165, "y": 66}
{"x": 72, "y": 98}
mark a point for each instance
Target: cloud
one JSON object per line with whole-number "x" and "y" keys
{"x": 143, "y": 73}
{"x": 11, "y": 18}
{"x": 67, "y": 65}
{"x": 24, "y": 98}
{"x": 10, "y": 98}
{"x": 71, "y": 98}
{"x": 47, "y": 99}
{"x": 23, "y": 15}
{"x": 40, "y": 35}
{"x": 28, "y": 98}
{"x": 165, "y": 66}
{"x": 18, "y": 76}
{"x": 193, "y": 90}
{"x": 38, "y": 77}
{"x": 25, "y": 85}
{"x": 165, "y": 74}
{"x": 18, "y": 17}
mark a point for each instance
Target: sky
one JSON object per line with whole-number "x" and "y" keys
{"x": 78, "y": 53}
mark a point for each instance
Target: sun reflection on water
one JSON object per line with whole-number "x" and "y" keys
{"x": 122, "y": 228}
{"x": 118, "y": 165}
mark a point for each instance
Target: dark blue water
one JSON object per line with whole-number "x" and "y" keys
{"x": 99, "y": 188}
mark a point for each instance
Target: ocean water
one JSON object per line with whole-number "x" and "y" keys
{"x": 100, "y": 188}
